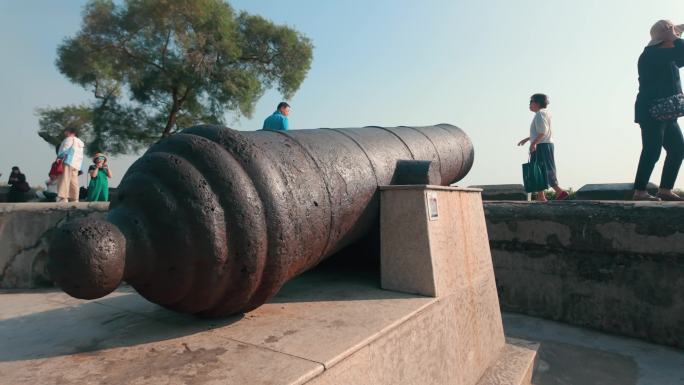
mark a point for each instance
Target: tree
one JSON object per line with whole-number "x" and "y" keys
{"x": 156, "y": 66}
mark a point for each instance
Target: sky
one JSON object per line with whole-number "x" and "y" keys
{"x": 470, "y": 63}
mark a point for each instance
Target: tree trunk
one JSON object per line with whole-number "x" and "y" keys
{"x": 172, "y": 118}
{"x": 175, "y": 107}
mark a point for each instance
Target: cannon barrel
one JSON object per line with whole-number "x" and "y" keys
{"x": 213, "y": 221}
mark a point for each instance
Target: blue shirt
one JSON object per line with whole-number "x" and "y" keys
{"x": 276, "y": 122}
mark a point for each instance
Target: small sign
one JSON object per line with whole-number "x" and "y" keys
{"x": 433, "y": 213}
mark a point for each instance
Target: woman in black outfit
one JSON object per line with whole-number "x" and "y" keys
{"x": 659, "y": 78}
{"x": 18, "y": 186}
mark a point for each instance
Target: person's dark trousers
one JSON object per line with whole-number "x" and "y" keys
{"x": 50, "y": 196}
{"x": 656, "y": 135}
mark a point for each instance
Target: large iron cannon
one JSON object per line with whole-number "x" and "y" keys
{"x": 213, "y": 221}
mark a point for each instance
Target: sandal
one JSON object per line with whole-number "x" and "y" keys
{"x": 671, "y": 197}
{"x": 646, "y": 197}
{"x": 562, "y": 196}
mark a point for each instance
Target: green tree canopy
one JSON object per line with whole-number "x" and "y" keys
{"x": 156, "y": 66}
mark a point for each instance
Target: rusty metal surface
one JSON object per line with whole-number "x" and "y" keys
{"x": 214, "y": 221}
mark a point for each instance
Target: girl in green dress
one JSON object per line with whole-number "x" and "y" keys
{"x": 98, "y": 189}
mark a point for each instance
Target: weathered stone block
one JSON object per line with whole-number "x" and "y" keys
{"x": 610, "y": 191}
{"x": 25, "y": 230}
{"x": 503, "y": 192}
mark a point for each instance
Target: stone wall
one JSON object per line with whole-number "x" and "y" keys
{"x": 503, "y": 192}
{"x": 25, "y": 230}
{"x": 616, "y": 267}
{"x": 28, "y": 196}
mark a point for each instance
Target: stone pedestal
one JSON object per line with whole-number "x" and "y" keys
{"x": 434, "y": 243}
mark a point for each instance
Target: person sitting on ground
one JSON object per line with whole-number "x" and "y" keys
{"x": 278, "y": 120}
{"x": 98, "y": 189}
{"x": 541, "y": 147}
{"x": 18, "y": 186}
{"x": 50, "y": 192}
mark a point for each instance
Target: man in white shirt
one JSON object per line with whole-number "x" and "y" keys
{"x": 71, "y": 152}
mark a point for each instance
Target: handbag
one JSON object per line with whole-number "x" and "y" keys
{"x": 534, "y": 176}
{"x": 669, "y": 108}
{"x": 57, "y": 168}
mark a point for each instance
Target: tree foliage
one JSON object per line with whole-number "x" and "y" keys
{"x": 109, "y": 127}
{"x": 156, "y": 66}
{"x": 53, "y": 121}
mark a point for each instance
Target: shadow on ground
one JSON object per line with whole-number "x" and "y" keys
{"x": 352, "y": 274}
{"x": 124, "y": 320}
{"x": 64, "y": 326}
{"x": 565, "y": 364}
{"x": 570, "y": 355}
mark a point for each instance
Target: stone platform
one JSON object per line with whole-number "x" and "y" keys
{"x": 50, "y": 338}
{"x": 428, "y": 315}
{"x": 328, "y": 326}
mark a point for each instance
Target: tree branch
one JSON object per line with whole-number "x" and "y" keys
{"x": 166, "y": 45}
{"x": 259, "y": 59}
{"x": 175, "y": 107}
{"x": 182, "y": 99}
{"x": 134, "y": 57}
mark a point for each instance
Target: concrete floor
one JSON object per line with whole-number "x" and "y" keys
{"x": 576, "y": 356}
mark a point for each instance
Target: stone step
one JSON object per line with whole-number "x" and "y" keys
{"x": 514, "y": 366}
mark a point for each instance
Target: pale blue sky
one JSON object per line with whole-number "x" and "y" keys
{"x": 470, "y": 63}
